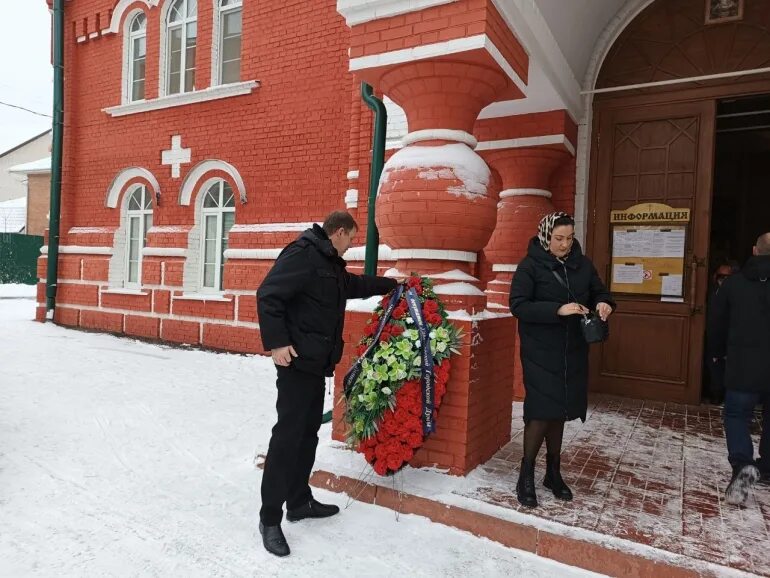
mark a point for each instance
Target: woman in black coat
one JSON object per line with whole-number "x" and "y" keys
{"x": 554, "y": 353}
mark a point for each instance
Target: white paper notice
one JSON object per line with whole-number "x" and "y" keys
{"x": 671, "y": 285}
{"x": 673, "y": 244}
{"x": 633, "y": 274}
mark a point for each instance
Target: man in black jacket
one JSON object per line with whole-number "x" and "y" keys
{"x": 301, "y": 307}
{"x": 740, "y": 330}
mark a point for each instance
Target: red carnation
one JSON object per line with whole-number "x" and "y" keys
{"x": 400, "y": 311}
{"x": 361, "y": 349}
{"x": 369, "y": 455}
{"x": 381, "y": 467}
{"x": 396, "y": 330}
{"x": 414, "y": 440}
{"x": 433, "y": 318}
{"x": 414, "y": 281}
{"x": 394, "y": 462}
{"x": 369, "y": 329}
{"x": 430, "y": 306}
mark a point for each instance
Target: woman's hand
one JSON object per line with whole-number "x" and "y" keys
{"x": 572, "y": 309}
{"x": 604, "y": 310}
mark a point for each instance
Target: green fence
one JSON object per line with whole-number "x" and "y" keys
{"x": 18, "y": 258}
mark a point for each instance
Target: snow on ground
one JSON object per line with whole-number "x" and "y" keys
{"x": 17, "y": 291}
{"x": 122, "y": 458}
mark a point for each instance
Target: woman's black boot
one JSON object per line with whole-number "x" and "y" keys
{"x": 553, "y": 480}
{"x": 525, "y": 487}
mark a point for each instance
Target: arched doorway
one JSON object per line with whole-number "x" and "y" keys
{"x": 655, "y": 122}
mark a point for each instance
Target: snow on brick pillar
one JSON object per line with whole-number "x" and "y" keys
{"x": 525, "y": 199}
{"x": 436, "y": 206}
{"x": 526, "y": 174}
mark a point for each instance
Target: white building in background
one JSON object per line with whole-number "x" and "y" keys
{"x": 14, "y": 185}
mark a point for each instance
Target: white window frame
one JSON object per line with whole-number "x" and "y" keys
{"x": 128, "y": 56}
{"x": 140, "y": 214}
{"x": 217, "y": 52}
{"x": 165, "y": 67}
{"x": 218, "y": 213}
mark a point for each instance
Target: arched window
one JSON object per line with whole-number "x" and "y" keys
{"x": 229, "y": 48}
{"x": 138, "y": 222}
{"x": 136, "y": 57}
{"x": 217, "y": 217}
{"x": 182, "y": 38}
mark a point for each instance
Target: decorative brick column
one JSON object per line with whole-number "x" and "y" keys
{"x": 437, "y": 200}
{"x": 525, "y": 199}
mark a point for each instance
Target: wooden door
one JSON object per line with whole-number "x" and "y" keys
{"x": 654, "y": 154}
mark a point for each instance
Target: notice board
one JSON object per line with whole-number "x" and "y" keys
{"x": 649, "y": 258}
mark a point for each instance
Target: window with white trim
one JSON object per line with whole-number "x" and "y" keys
{"x": 217, "y": 218}
{"x": 229, "y": 25}
{"x": 137, "y": 56}
{"x": 181, "y": 43}
{"x": 138, "y": 222}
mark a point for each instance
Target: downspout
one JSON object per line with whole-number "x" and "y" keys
{"x": 52, "y": 272}
{"x": 378, "y": 160}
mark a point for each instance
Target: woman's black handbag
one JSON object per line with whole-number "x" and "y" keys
{"x": 594, "y": 329}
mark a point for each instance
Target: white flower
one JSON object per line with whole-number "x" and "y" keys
{"x": 386, "y": 390}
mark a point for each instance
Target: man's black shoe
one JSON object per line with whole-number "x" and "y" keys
{"x": 313, "y": 509}
{"x": 273, "y": 540}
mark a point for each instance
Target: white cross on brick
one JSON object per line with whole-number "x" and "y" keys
{"x": 176, "y": 156}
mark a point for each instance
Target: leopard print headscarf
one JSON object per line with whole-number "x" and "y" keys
{"x": 545, "y": 228}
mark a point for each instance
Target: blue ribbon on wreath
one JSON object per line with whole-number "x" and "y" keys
{"x": 427, "y": 378}
{"x": 355, "y": 370}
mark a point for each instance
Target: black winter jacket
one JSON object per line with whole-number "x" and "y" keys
{"x": 302, "y": 300}
{"x": 554, "y": 354}
{"x": 739, "y": 327}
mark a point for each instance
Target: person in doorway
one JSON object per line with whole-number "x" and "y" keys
{"x": 739, "y": 329}
{"x": 554, "y": 354}
{"x": 301, "y": 306}
{"x": 716, "y": 365}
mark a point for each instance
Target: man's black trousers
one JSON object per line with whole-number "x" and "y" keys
{"x": 291, "y": 453}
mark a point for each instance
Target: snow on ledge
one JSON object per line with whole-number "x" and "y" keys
{"x": 258, "y": 254}
{"x": 450, "y": 161}
{"x": 363, "y": 305}
{"x": 91, "y": 230}
{"x": 270, "y": 227}
{"x": 459, "y": 136}
{"x": 169, "y": 229}
{"x": 123, "y": 291}
{"x": 460, "y": 288}
{"x": 384, "y": 253}
{"x": 79, "y": 250}
{"x": 462, "y": 315}
{"x": 202, "y": 297}
{"x": 453, "y": 275}
{"x": 164, "y": 252}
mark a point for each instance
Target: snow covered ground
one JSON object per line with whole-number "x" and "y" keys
{"x": 121, "y": 458}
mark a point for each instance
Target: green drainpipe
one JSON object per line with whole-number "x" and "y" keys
{"x": 378, "y": 161}
{"x": 56, "y": 154}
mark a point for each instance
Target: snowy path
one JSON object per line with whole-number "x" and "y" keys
{"x": 120, "y": 458}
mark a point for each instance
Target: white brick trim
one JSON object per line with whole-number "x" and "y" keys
{"x": 424, "y": 51}
{"x": 257, "y": 254}
{"x": 504, "y": 268}
{"x": 435, "y": 254}
{"x": 184, "y": 98}
{"x": 120, "y": 8}
{"x": 79, "y": 250}
{"x": 119, "y": 182}
{"x": 203, "y": 167}
{"x": 525, "y": 193}
{"x": 360, "y": 11}
{"x": 440, "y": 134}
{"x": 270, "y": 227}
{"x": 531, "y": 141}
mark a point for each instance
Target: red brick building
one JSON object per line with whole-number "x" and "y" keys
{"x": 202, "y": 136}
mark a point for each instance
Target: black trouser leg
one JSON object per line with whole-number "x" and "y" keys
{"x": 298, "y": 394}
{"x": 299, "y": 486}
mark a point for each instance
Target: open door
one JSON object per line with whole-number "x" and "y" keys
{"x": 654, "y": 154}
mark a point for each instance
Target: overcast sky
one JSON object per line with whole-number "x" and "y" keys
{"x": 26, "y": 75}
